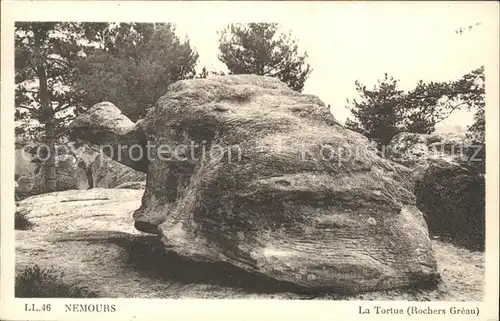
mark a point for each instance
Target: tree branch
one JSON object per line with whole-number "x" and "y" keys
{"x": 453, "y": 108}
{"x": 26, "y": 107}
{"x": 65, "y": 117}
{"x": 61, "y": 108}
{"x": 29, "y": 91}
{"x": 60, "y": 61}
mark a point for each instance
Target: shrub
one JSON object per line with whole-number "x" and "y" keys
{"x": 37, "y": 282}
{"x": 21, "y": 222}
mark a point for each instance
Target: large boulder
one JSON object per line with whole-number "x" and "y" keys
{"x": 242, "y": 169}
{"x": 452, "y": 197}
{"x": 108, "y": 173}
{"x": 102, "y": 171}
{"x": 117, "y": 136}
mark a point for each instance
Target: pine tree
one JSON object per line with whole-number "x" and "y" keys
{"x": 135, "y": 65}
{"x": 387, "y": 110}
{"x": 259, "y": 48}
{"x": 46, "y": 64}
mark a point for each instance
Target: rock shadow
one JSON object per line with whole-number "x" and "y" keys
{"x": 147, "y": 255}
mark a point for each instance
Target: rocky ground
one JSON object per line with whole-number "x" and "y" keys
{"x": 89, "y": 235}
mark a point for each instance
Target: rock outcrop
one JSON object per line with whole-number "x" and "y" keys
{"x": 242, "y": 169}
{"x": 418, "y": 151}
{"x": 108, "y": 173}
{"x": 452, "y": 197}
{"x": 133, "y": 185}
{"x": 71, "y": 164}
{"x": 102, "y": 171}
{"x": 78, "y": 166}
{"x": 85, "y": 235}
{"x": 450, "y": 191}
{"x": 69, "y": 176}
{"x": 116, "y": 135}
{"x": 99, "y": 209}
{"x": 25, "y": 161}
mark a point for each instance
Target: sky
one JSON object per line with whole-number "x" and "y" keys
{"x": 345, "y": 40}
{"x": 361, "y": 42}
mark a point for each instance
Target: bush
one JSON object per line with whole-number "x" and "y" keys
{"x": 21, "y": 222}
{"x": 36, "y": 282}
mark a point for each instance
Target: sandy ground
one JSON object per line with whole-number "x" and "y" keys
{"x": 96, "y": 246}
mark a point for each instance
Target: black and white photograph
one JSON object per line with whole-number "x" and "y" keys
{"x": 330, "y": 151}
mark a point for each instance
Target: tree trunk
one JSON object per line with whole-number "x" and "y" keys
{"x": 90, "y": 176}
{"x": 50, "y": 164}
{"x": 46, "y": 112}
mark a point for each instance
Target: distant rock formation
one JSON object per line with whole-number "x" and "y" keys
{"x": 108, "y": 173}
{"x": 69, "y": 176}
{"x": 411, "y": 149}
{"x": 112, "y": 130}
{"x": 449, "y": 190}
{"x": 241, "y": 169}
{"x": 453, "y": 200}
{"x": 77, "y": 167}
{"x": 418, "y": 151}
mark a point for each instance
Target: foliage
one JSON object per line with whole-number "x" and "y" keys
{"x": 21, "y": 222}
{"x": 377, "y": 112}
{"x": 37, "y": 282}
{"x": 431, "y": 103}
{"x": 477, "y": 131}
{"x": 62, "y": 68}
{"x": 46, "y": 65}
{"x": 476, "y": 136}
{"x": 387, "y": 110}
{"x": 259, "y": 48}
{"x": 46, "y": 55}
{"x": 135, "y": 65}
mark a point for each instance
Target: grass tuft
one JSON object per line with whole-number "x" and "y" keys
{"x": 21, "y": 222}
{"x": 37, "y": 282}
